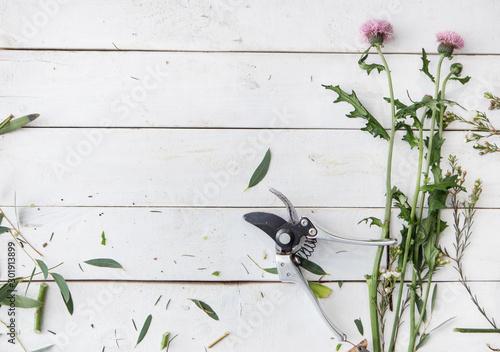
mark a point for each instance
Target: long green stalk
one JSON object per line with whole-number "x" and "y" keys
{"x": 409, "y": 235}
{"x": 373, "y": 283}
{"x": 413, "y": 296}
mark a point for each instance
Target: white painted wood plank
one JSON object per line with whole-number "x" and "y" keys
{"x": 255, "y": 323}
{"x": 257, "y": 25}
{"x": 217, "y": 89}
{"x": 183, "y": 244}
{"x": 130, "y": 167}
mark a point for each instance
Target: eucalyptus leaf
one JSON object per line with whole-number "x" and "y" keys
{"x": 104, "y": 263}
{"x": 63, "y": 286}
{"x": 206, "y": 308}
{"x": 312, "y": 267}
{"x": 15, "y": 124}
{"x": 144, "y": 329}
{"x": 261, "y": 170}
{"x": 3, "y": 229}
{"x": 359, "y": 325}
{"x": 43, "y": 267}
{"x": 65, "y": 293}
{"x": 8, "y": 287}
{"x": 319, "y": 290}
{"x": 22, "y": 302}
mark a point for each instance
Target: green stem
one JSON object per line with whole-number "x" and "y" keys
{"x": 413, "y": 296}
{"x": 409, "y": 236}
{"x": 39, "y": 311}
{"x": 477, "y": 331}
{"x": 373, "y": 283}
{"x": 441, "y": 113}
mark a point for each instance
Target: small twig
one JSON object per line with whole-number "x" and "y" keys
{"x": 39, "y": 311}
{"x": 19, "y": 233}
{"x": 15, "y": 335}
{"x": 477, "y": 331}
{"x": 218, "y": 340}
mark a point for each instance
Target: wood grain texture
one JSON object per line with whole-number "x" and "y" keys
{"x": 214, "y": 90}
{"x": 186, "y": 244}
{"x": 236, "y": 25}
{"x": 254, "y": 322}
{"x": 211, "y": 168}
{"x": 154, "y": 115}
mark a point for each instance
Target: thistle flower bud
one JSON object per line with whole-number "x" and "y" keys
{"x": 427, "y": 97}
{"x": 456, "y": 69}
{"x": 449, "y": 41}
{"x": 376, "y": 32}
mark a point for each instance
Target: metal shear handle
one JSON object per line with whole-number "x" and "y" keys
{"x": 327, "y": 236}
{"x": 289, "y": 272}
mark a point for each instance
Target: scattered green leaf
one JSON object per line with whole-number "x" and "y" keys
{"x": 312, "y": 267}
{"x": 22, "y": 302}
{"x": 104, "y": 263}
{"x": 341, "y": 283}
{"x": 51, "y": 237}
{"x": 103, "y": 239}
{"x": 44, "y": 268}
{"x": 3, "y": 229}
{"x": 158, "y": 300}
{"x": 166, "y": 307}
{"x": 144, "y": 329}
{"x": 14, "y": 124}
{"x": 271, "y": 270}
{"x": 338, "y": 347}
{"x": 319, "y": 290}
{"x": 261, "y": 170}
{"x": 135, "y": 327}
{"x": 8, "y": 287}
{"x": 66, "y": 294}
{"x": 206, "y": 308}
{"x": 216, "y": 273}
{"x": 359, "y": 325}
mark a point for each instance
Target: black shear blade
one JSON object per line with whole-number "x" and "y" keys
{"x": 267, "y": 222}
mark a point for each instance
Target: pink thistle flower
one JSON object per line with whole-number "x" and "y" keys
{"x": 449, "y": 41}
{"x": 376, "y": 31}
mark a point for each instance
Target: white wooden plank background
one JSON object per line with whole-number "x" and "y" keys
{"x": 155, "y": 142}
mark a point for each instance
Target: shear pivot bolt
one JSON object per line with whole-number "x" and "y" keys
{"x": 284, "y": 238}
{"x": 304, "y": 222}
{"x": 313, "y": 232}
{"x": 288, "y": 274}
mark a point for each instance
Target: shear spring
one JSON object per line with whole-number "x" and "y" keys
{"x": 307, "y": 248}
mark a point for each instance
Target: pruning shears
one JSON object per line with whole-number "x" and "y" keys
{"x": 295, "y": 241}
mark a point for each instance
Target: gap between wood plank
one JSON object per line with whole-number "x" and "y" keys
{"x": 233, "y": 51}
